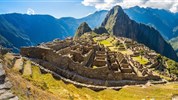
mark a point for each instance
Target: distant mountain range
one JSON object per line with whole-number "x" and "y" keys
{"x": 18, "y": 30}
{"x": 164, "y": 21}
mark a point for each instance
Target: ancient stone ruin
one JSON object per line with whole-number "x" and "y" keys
{"x": 92, "y": 63}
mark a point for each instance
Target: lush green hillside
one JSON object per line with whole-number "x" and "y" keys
{"x": 25, "y": 30}
{"x": 174, "y": 43}
{"x": 18, "y": 30}
{"x": 164, "y": 21}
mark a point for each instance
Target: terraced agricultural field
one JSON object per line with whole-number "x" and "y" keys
{"x": 95, "y": 68}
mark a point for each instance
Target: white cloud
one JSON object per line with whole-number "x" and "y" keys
{"x": 171, "y": 5}
{"x": 174, "y": 8}
{"x": 30, "y": 11}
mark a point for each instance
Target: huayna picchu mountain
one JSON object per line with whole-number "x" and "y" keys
{"x": 89, "y": 66}
{"x": 119, "y": 24}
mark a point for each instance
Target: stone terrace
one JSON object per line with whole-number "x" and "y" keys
{"x": 89, "y": 62}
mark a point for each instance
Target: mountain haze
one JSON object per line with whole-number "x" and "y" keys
{"x": 18, "y": 30}
{"x": 164, "y": 21}
{"x": 25, "y": 30}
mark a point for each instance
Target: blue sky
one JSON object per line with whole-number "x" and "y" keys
{"x": 78, "y": 8}
{"x": 56, "y": 8}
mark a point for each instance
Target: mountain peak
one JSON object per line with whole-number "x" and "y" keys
{"x": 117, "y": 8}
{"x": 83, "y": 28}
{"x": 84, "y": 24}
{"x": 114, "y": 15}
{"x": 118, "y": 23}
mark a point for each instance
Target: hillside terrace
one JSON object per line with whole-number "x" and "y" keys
{"x": 96, "y": 61}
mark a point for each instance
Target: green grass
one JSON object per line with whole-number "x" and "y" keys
{"x": 162, "y": 76}
{"x": 126, "y": 52}
{"x": 69, "y": 91}
{"x": 112, "y": 46}
{"x": 140, "y": 59}
{"x": 27, "y": 71}
{"x": 106, "y": 43}
{"x": 110, "y": 39}
{"x": 113, "y": 49}
{"x": 46, "y": 82}
{"x": 172, "y": 66}
{"x": 94, "y": 67}
{"x": 58, "y": 87}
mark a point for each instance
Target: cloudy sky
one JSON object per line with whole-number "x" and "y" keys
{"x": 171, "y": 5}
{"x": 78, "y": 8}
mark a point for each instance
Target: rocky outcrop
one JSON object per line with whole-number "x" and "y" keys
{"x": 119, "y": 24}
{"x": 5, "y": 86}
{"x": 100, "y": 30}
{"x": 83, "y": 28}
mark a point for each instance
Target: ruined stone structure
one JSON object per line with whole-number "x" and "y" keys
{"x": 86, "y": 61}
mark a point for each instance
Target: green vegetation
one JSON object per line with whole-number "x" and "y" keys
{"x": 44, "y": 85}
{"x": 93, "y": 34}
{"x": 113, "y": 45}
{"x": 70, "y": 92}
{"x": 174, "y": 44}
{"x": 126, "y": 52}
{"x": 113, "y": 49}
{"x": 94, "y": 67}
{"x": 27, "y": 70}
{"x": 141, "y": 60}
{"x": 110, "y": 39}
{"x": 106, "y": 43}
{"x": 172, "y": 66}
{"x": 162, "y": 76}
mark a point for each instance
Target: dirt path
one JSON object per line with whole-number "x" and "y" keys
{"x": 27, "y": 68}
{"x": 18, "y": 65}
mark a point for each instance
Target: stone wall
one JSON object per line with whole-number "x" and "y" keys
{"x": 60, "y": 45}
{"x": 64, "y": 51}
{"x": 66, "y": 62}
{"x": 72, "y": 76}
{"x": 87, "y": 57}
{"x": 34, "y": 52}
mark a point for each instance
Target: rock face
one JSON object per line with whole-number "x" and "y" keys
{"x": 2, "y": 75}
{"x": 5, "y": 86}
{"x": 119, "y": 24}
{"x": 100, "y": 30}
{"x": 83, "y": 28}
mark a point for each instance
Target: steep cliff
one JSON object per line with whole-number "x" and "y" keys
{"x": 83, "y": 28}
{"x": 100, "y": 30}
{"x": 119, "y": 24}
